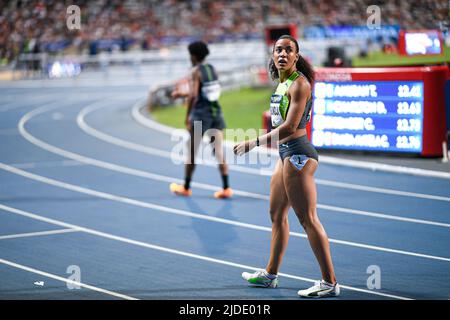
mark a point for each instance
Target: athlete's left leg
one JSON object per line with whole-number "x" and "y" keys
{"x": 301, "y": 191}
{"x": 216, "y": 137}
{"x": 302, "y": 194}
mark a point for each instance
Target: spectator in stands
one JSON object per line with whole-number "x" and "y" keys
{"x": 166, "y": 22}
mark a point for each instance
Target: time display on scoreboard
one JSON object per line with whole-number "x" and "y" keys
{"x": 368, "y": 115}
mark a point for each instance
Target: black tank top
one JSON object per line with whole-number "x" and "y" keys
{"x": 209, "y": 91}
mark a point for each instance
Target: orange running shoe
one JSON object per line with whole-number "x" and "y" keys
{"x": 223, "y": 194}
{"x": 179, "y": 189}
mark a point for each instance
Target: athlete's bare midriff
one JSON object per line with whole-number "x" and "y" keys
{"x": 296, "y": 134}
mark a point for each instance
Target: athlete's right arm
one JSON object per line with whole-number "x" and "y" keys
{"x": 299, "y": 93}
{"x": 193, "y": 93}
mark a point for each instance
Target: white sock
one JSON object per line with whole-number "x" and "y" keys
{"x": 327, "y": 283}
{"x": 269, "y": 275}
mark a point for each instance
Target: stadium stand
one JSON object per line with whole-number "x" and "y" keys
{"x": 37, "y": 26}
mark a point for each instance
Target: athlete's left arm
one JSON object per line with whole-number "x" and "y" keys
{"x": 298, "y": 93}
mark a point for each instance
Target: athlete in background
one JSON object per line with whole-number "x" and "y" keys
{"x": 203, "y": 109}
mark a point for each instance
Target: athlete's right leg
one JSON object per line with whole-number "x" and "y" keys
{"x": 279, "y": 208}
{"x": 195, "y": 138}
{"x": 193, "y": 143}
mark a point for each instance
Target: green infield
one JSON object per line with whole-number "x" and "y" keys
{"x": 380, "y": 59}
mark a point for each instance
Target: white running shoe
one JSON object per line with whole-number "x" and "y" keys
{"x": 261, "y": 279}
{"x": 320, "y": 289}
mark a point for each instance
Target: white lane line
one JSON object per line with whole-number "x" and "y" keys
{"x": 122, "y": 143}
{"x": 173, "y": 251}
{"x": 191, "y": 214}
{"x": 153, "y": 151}
{"x": 380, "y": 190}
{"x": 47, "y": 164}
{"x": 133, "y": 146}
{"x": 157, "y": 177}
{"x": 381, "y": 216}
{"x": 372, "y": 166}
{"x": 37, "y": 234}
{"x": 68, "y": 281}
{"x": 11, "y": 105}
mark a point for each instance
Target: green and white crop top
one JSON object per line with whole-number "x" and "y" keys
{"x": 279, "y": 104}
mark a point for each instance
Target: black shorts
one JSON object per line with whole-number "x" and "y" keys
{"x": 299, "y": 150}
{"x": 208, "y": 121}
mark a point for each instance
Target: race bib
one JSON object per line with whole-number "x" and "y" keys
{"x": 211, "y": 90}
{"x": 308, "y": 117}
{"x": 275, "y": 114}
{"x": 308, "y": 110}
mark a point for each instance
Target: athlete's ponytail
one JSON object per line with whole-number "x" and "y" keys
{"x": 302, "y": 65}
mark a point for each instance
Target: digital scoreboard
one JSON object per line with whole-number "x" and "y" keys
{"x": 420, "y": 42}
{"x": 396, "y": 110}
{"x": 368, "y": 115}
